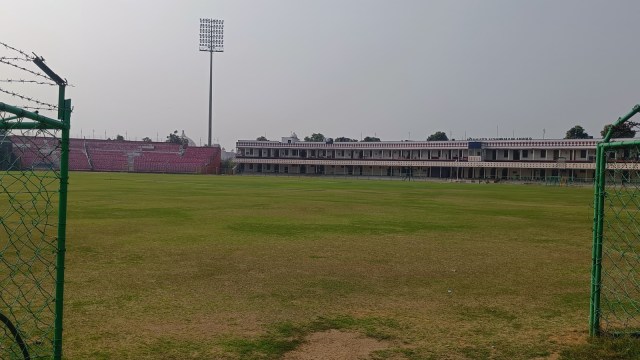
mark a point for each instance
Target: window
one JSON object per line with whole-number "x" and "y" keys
{"x": 525, "y": 154}
{"x": 506, "y": 153}
{"x": 583, "y": 154}
{"x": 543, "y": 154}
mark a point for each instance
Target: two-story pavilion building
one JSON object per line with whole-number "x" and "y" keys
{"x": 525, "y": 159}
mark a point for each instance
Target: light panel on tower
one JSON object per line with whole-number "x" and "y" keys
{"x": 212, "y": 35}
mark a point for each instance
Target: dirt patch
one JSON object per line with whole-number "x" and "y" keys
{"x": 336, "y": 345}
{"x": 569, "y": 339}
{"x": 572, "y": 338}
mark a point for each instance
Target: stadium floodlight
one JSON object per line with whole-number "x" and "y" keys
{"x": 212, "y": 35}
{"x": 211, "y": 40}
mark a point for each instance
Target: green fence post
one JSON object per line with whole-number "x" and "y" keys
{"x": 64, "y": 113}
{"x": 598, "y": 217}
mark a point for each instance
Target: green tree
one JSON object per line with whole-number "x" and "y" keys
{"x": 438, "y": 136}
{"x": 147, "y": 139}
{"x": 344, "y": 139}
{"x": 227, "y": 166}
{"x": 624, "y": 130}
{"x": 577, "y": 132}
{"x": 119, "y": 137}
{"x": 315, "y": 137}
{"x": 174, "y": 138}
{"x": 371, "y": 139}
{"x": 262, "y": 138}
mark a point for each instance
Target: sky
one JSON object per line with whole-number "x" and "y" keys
{"x": 398, "y": 70}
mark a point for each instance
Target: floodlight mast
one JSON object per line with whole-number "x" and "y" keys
{"x": 211, "y": 40}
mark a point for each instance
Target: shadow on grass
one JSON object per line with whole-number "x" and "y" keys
{"x": 606, "y": 348}
{"x": 287, "y": 336}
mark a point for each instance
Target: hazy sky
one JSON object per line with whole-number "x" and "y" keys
{"x": 397, "y": 69}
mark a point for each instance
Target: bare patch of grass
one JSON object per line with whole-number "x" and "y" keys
{"x": 336, "y": 345}
{"x": 287, "y": 336}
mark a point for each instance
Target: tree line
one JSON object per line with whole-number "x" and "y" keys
{"x": 622, "y": 131}
{"x": 318, "y": 137}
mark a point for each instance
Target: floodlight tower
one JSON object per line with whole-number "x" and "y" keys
{"x": 211, "y": 40}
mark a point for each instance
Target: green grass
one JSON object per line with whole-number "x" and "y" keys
{"x": 205, "y": 267}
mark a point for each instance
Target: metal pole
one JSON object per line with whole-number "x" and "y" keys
{"x": 210, "y": 93}
{"x": 64, "y": 108}
{"x": 598, "y": 217}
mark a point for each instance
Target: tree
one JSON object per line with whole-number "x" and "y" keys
{"x": 227, "y": 166}
{"x": 315, "y": 138}
{"x": 371, "y": 139}
{"x": 438, "y": 136}
{"x": 147, "y": 139}
{"x": 119, "y": 137}
{"x": 624, "y": 130}
{"x": 174, "y": 138}
{"x": 577, "y": 132}
{"x": 262, "y": 138}
{"x": 344, "y": 139}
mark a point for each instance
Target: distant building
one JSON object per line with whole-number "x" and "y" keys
{"x": 291, "y": 139}
{"x": 190, "y": 141}
{"x": 525, "y": 159}
{"x": 227, "y": 155}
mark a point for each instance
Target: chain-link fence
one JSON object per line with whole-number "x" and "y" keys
{"x": 29, "y": 204}
{"x": 615, "y": 291}
{"x": 34, "y": 158}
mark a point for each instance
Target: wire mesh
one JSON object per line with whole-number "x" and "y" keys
{"x": 619, "y": 311}
{"x": 29, "y": 196}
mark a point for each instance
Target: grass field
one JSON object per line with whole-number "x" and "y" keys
{"x": 205, "y": 267}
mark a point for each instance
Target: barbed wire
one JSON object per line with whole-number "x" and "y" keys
{"x": 23, "y": 97}
{"x": 36, "y": 108}
{"x": 25, "y": 69}
{"x": 14, "y": 58}
{"x": 28, "y": 57}
{"x": 27, "y": 81}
